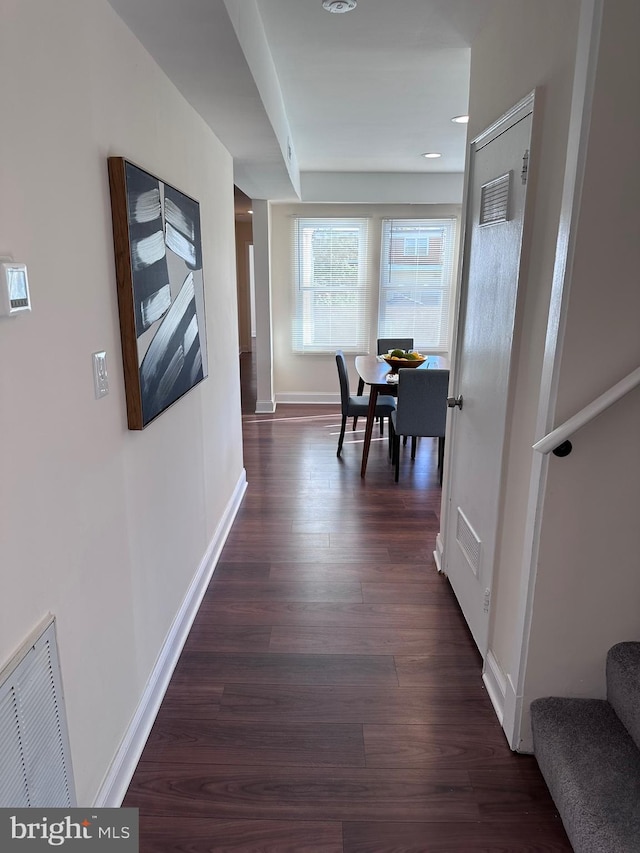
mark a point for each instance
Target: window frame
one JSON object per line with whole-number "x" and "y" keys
{"x": 441, "y": 317}
{"x": 360, "y": 290}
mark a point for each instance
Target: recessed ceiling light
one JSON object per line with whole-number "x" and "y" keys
{"x": 339, "y": 5}
{"x": 460, "y": 119}
{"x": 432, "y": 155}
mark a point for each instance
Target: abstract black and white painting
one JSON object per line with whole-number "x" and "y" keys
{"x": 160, "y": 290}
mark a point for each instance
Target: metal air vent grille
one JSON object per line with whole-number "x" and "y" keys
{"x": 34, "y": 746}
{"x": 494, "y": 200}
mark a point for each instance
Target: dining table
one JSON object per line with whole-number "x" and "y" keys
{"x": 373, "y": 371}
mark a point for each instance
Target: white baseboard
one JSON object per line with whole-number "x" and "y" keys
{"x": 518, "y": 721}
{"x": 312, "y": 397}
{"x": 119, "y": 775}
{"x": 513, "y": 723}
{"x": 265, "y": 407}
{"x": 496, "y": 684}
{"x": 438, "y": 554}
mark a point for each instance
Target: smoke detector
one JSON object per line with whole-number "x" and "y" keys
{"x": 339, "y": 5}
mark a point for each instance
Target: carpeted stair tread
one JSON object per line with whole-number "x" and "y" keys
{"x": 592, "y": 769}
{"x": 623, "y": 685}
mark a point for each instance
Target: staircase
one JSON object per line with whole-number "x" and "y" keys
{"x": 589, "y": 754}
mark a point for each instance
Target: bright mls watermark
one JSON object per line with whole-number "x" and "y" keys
{"x": 102, "y": 830}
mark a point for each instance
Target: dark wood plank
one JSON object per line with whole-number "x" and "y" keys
{"x": 371, "y": 572}
{"x": 243, "y": 571}
{"x": 394, "y": 540}
{"x": 334, "y": 614}
{"x": 287, "y": 484}
{"x": 462, "y": 668}
{"x": 246, "y": 551}
{"x": 365, "y": 704}
{"x": 512, "y": 794}
{"x": 267, "y": 539}
{"x": 462, "y": 837}
{"x": 352, "y": 523}
{"x": 211, "y": 637}
{"x": 369, "y": 641}
{"x": 160, "y": 834}
{"x": 287, "y": 669}
{"x": 197, "y": 698}
{"x": 301, "y": 793}
{"x": 210, "y": 742}
{"x": 405, "y": 593}
{"x": 225, "y": 590}
{"x": 467, "y": 746}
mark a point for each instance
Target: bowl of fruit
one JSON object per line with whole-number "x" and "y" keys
{"x": 397, "y": 358}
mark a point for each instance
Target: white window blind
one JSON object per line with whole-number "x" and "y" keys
{"x": 333, "y": 294}
{"x": 416, "y": 272}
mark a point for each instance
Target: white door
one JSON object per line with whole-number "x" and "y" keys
{"x": 489, "y": 289}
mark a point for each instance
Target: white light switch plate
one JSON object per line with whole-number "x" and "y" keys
{"x": 100, "y": 378}
{"x": 14, "y": 288}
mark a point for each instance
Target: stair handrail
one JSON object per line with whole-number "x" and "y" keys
{"x": 559, "y": 435}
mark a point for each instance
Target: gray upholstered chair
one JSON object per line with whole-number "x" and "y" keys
{"x": 421, "y": 410}
{"x": 385, "y": 344}
{"x": 358, "y": 406}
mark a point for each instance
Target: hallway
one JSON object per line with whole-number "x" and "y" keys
{"x": 329, "y": 698}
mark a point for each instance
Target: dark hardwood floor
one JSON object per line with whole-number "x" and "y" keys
{"x": 329, "y": 697}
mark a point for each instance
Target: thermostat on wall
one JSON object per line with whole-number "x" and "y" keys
{"x": 15, "y": 288}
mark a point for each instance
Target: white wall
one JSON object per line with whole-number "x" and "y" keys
{"x": 101, "y": 526}
{"x": 588, "y": 574}
{"x": 313, "y": 377}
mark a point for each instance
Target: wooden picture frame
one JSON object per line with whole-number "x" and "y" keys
{"x": 158, "y": 253}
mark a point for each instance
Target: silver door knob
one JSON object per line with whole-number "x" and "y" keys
{"x": 452, "y": 402}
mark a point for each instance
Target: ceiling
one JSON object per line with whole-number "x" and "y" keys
{"x": 300, "y": 96}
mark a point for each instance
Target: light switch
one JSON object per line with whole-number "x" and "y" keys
{"x": 100, "y": 378}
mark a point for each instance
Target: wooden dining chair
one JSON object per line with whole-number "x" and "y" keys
{"x": 358, "y": 406}
{"x": 421, "y": 411}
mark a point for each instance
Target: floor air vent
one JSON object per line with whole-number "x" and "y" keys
{"x": 469, "y": 542}
{"x": 34, "y": 745}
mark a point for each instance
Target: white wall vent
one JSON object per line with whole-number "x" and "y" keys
{"x": 469, "y": 542}
{"x": 35, "y": 760}
{"x": 494, "y": 200}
